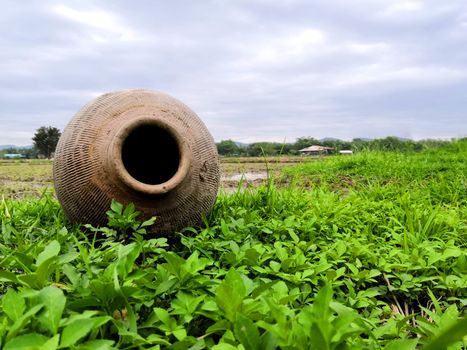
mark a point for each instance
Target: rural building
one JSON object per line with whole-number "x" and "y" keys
{"x": 316, "y": 150}
{"x": 346, "y": 151}
{"x": 12, "y": 155}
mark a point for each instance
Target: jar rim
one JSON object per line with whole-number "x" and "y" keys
{"x": 121, "y": 171}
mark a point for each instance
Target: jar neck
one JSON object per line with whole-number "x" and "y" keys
{"x": 149, "y": 156}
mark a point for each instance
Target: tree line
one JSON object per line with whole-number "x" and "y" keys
{"x": 44, "y": 143}
{"x": 46, "y": 138}
{"x": 230, "y": 148}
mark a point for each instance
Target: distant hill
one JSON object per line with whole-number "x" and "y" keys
{"x": 366, "y": 139}
{"x": 329, "y": 139}
{"x": 241, "y": 144}
{"x": 14, "y": 146}
{"x": 403, "y": 138}
{"x": 371, "y": 139}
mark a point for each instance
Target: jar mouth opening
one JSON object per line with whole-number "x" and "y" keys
{"x": 150, "y": 156}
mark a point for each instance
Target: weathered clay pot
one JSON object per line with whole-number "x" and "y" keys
{"x": 141, "y": 147}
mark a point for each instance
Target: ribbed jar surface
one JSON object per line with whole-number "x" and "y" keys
{"x": 142, "y": 147}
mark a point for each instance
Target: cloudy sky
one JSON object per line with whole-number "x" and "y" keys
{"x": 253, "y": 70}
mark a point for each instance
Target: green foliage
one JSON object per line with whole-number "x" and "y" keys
{"x": 123, "y": 223}
{"x": 366, "y": 252}
{"x": 45, "y": 140}
{"x": 259, "y": 149}
{"x": 228, "y": 147}
{"x": 387, "y": 144}
{"x": 22, "y": 152}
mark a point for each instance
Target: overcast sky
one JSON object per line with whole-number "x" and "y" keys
{"x": 253, "y": 70}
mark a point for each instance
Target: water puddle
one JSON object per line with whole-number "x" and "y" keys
{"x": 248, "y": 176}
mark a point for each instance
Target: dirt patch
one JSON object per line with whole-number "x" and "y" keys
{"x": 247, "y": 179}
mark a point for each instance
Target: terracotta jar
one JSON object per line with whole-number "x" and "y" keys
{"x": 142, "y": 147}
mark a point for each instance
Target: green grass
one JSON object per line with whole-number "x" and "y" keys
{"x": 25, "y": 178}
{"x": 360, "y": 252}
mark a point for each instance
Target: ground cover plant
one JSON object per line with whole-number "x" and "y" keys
{"x": 360, "y": 252}
{"x": 25, "y": 178}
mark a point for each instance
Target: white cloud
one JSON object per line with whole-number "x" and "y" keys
{"x": 378, "y": 48}
{"x": 102, "y": 26}
{"x": 401, "y": 78}
{"x": 253, "y": 70}
{"x": 17, "y": 138}
{"x": 93, "y": 18}
{"x": 278, "y": 48}
{"x": 415, "y": 11}
{"x": 396, "y": 8}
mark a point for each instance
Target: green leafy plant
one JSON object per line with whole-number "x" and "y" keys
{"x": 123, "y": 222}
{"x": 357, "y": 253}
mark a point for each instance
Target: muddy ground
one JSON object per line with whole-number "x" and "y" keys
{"x": 24, "y": 178}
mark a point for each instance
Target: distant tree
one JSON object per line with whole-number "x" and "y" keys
{"x": 360, "y": 144}
{"x": 45, "y": 140}
{"x": 337, "y": 144}
{"x": 29, "y": 152}
{"x": 431, "y": 143}
{"x": 304, "y": 142}
{"x": 265, "y": 149}
{"x": 255, "y": 149}
{"x": 228, "y": 148}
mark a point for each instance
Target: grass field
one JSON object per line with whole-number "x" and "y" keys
{"x": 359, "y": 252}
{"x": 30, "y": 178}
{"x": 25, "y": 178}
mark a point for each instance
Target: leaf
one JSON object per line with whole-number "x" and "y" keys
{"x": 131, "y": 317}
{"x": 179, "y": 333}
{"x": 246, "y": 332}
{"x": 163, "y": 316}
{"x": 13, "y": 304}
{"x": 293, "y": 235}
{"x": 31, "y": 341}
{"x": 22, "y": 321}
{"x": 81, "y": 316}
{"x": 99, "y": 344}
{"x": 54, "y": 301}
{"x": 71, "y": 273}
{"x": 101, "y": 320}
{"x": 148, "y": 222}
{"x": 186, "y": 305}
{"x": 219, "y": 326}
{"x": 75, "y": 331}
{"x": 224, "y": 346}
{"x": 129, "y": 209}
{"x": 116, "y": 207}
{"x": 317, "y": 319}
{"x": 68, "y": 257}
{"x": 402, "y": 344}
{"x": 157, "y": 339}
{"x": 7, "y": 276}
{"x": 230, "y": 294}
{"x": 268, "y": 341}
{"x": 30, "y": 280}
{"x": 352, "y": 268}
{"x": 174, "y": 263}
{"x": 44, "y": 272}
{"x": 322, "y": 302}
{"x": 50, "y": 251}
{"x": 341, "y": 248}
{"x": 52, "y": 343}
{"x": 449, "y": 336}
{"x": 263, "y": 288}
{"x": 127, "y": 255}
{"x": 345, "y": 325}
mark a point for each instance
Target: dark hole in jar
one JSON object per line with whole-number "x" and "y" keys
{"x": 150, "y": 154}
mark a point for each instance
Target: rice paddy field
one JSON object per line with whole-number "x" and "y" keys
{"x": 346, "y": 252}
